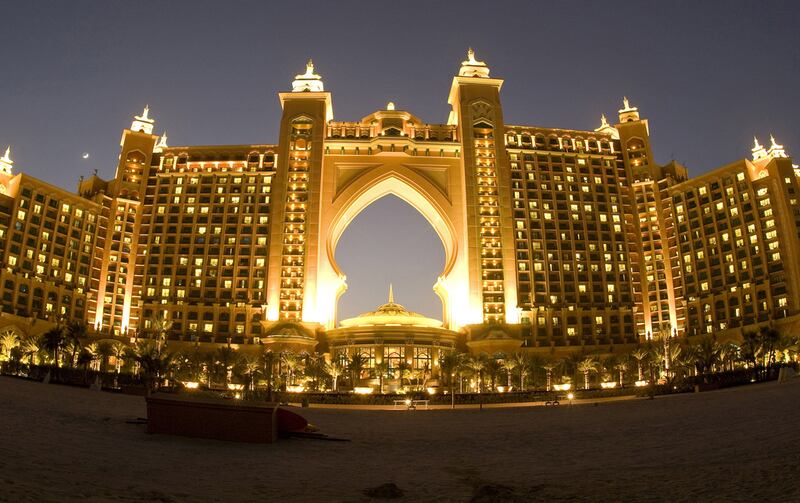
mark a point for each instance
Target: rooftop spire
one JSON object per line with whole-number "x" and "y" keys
{"x": 308, "y": 81}
{"x": 391, "y": 294}
{"x": 162, "y": 143}
{"x": 144, "y": 122}
{"x": 605, "y": 127}
{"x": 775, "y": 150}
{"x": 759, "y": 152}
{"x": 6, "y": 162}
{"x": 472, "y": 67}
{"x": 628, "y": 113}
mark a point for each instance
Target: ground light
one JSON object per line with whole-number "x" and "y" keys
{"x": 570, "y": 397}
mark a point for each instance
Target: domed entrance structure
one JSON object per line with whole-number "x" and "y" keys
{"x": 394, "y": 340}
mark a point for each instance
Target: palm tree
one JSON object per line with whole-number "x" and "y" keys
{"x": 588, "y": 364}
{"x": 226, "y": 357}
{"x": 291, "y": 364}
{"x": 247, "y": 370}
{"x": 571, "y": 362}
{"x": 53, "y": 342}
{"x": 534, "y": 362}
{"x": 118, "y": 350}
{"x": 356, "y": 367}
{"x": 706, "y": 354}
{"x": 8, "y": 341}
{"x": 448, "y": 366}
{"x": 104, "y": 351}
{"x": 750, "y": 347}
{"x": 769, "y": 338}
{"x": 403, "y": 371}
{"x": 75, "y": 332}
{"x": 315, "y": 370}
{"x": 788, "y": 347}
{"x": 381, "y": 371}
{"x": 477, "y": 364}
{"x": 161, "y": 325}
{"x": 267, "y": 359}
{"x": 154, "y": 364}
{"x": 88, "y": 351}
{"x": 32, "y": 348}
{"x": 85, "y": 358}
{"x": 621, "y": 366}
{"x": 729, "y": 354}
{"x": 640, "y": 355}
{"x": 519, "y": 362}
{"x": 549, "y": 367}
{"x": 335, "y": 369}
{"x": 492, "y": 368}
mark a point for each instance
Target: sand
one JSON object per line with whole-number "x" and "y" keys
{"x": 68, "y": 444}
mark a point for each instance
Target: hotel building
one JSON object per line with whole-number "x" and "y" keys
{"x": 553, "y": 238}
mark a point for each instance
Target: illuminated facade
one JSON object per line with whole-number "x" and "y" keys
{"x": 552, "y": 237}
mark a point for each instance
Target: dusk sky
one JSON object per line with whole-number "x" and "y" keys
{"x": 707, "y": 75}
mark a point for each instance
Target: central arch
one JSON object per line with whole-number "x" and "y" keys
{"x": 428, "y": 199}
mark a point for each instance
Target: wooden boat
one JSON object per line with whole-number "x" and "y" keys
{"x": 232, "y": 420}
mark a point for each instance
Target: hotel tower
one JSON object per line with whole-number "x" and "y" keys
{"x": 553, "y": 238}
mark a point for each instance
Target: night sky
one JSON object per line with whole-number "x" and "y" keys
{"x": 708, "y": 76}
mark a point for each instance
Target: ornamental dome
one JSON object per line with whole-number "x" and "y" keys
{"x": 391, "y": 314}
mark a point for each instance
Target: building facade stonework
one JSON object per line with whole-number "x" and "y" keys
{"x": 553, "y": 238}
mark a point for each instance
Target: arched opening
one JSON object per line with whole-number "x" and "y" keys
{"x": 390, "y": 241}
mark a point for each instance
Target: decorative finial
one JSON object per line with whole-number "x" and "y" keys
{"x": 6, "y": 163}
{"x": 759, "y": 152}
{"x": 162, "y": 143}
{"x": 391, "y": 294}
{"x": 603, "y": 120}
{"x": 472, "y": 67}
{"x": 390, "y": 105}
{"x": 144, "y": 122}
{"x": 775, "y": 149}
{"x": 625, "y": 104}
{"x": 308, "y": 81}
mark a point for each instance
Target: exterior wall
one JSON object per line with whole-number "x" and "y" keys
{"x": 569, "y": 237}
{"x": 574, "y": 258}
{"x": 204, "y": 240}
{"x": 738, "y": 241}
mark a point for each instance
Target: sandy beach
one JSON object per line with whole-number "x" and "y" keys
{"x": 67, "y": 444}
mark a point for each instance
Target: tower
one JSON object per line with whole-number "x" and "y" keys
{"x": 661, "y": 310}
{"x": 478, "y": 115}
{"x": 291, "y": 279}
{"x": 114, "y": 307}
